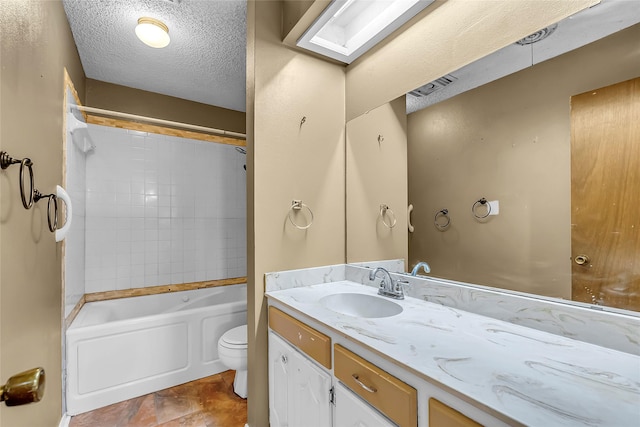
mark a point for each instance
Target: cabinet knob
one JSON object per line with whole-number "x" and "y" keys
{"x": 284, "y": 359}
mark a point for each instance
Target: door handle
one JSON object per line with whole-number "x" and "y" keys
{"x": 25, "y": 387}
{"x": 581, "y": 259}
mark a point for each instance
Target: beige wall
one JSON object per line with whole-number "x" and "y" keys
{"x": 288, "y": 160}
{"x": 451, "y": 34}
{"x": 135, "y": 101}
{"x": 36, "y": 46}
{"x": 377, "y": 174}
{"x": 508, "y": 140}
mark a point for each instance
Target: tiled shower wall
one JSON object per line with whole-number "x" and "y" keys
{"x": 162, "y": 210}
{"x": 74, "y": 248}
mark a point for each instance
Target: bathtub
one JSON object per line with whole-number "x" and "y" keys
{"x": 124, "y": 348}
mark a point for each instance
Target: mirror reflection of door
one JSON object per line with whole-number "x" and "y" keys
{"x": 605, "y": 196}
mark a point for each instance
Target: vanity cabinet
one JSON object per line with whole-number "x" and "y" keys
{"x": 299, "y": 390}
{"x": 299, "y": 385}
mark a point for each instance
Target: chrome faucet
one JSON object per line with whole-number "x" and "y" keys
{"x": 424, "y": 266}
{"x": 391, "y": 289}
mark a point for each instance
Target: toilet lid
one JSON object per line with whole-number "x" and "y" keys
{"x": 236, "y": 336}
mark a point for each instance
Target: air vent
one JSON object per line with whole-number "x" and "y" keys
{"x": 434, "y": 86}
{"x": 538, "y": 36}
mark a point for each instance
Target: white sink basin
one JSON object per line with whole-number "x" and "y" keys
{"x": 361, "y": 305}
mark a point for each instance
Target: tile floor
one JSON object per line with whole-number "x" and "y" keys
{"x": 207, "y": 402}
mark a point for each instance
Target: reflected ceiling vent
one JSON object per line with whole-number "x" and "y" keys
{"x": 434, "y": 86}
{"x": 538, "y": 35}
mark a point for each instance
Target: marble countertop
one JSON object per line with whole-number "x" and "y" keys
{"x": 532, "y": 377}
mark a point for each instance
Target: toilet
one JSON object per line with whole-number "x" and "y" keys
{"x": 232, "y": 350}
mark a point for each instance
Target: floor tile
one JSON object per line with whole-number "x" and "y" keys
{"x": 207, "y": 402}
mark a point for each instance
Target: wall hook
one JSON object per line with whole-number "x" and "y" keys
{"x": 380, "y": 139}
{"x": 303, "y": 120}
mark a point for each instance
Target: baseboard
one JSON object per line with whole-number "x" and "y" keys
{"x": 65, "y": 421}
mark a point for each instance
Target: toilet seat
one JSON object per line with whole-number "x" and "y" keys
{"x": 235, "y": 338}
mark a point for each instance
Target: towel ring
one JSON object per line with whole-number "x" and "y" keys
{"x": 32, "y": 191}
{"x": 481, "y": 202}
{"x": 296, "y": 206}
{"x": 52, "y": 217}
{"x": 5, "y": 161}
{"x": 383, "y": 211}
{"x": 443, "y": 213}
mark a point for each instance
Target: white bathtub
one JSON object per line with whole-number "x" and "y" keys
{"x": 120, "y": 349}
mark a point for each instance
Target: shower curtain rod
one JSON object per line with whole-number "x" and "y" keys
{"x": 160, "y": 122}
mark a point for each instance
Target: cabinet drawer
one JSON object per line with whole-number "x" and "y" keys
{"x": 315, "y": 344}
{"x": 394, "y": 398}
{"x": 441, "y": 415}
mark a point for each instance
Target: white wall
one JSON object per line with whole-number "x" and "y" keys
{"x": 162, "y": 210}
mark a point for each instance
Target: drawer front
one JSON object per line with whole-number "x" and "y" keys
{"x": 441, "y": 415}
{"x": 313, "y": 343}
{"x": 394, "y": 398}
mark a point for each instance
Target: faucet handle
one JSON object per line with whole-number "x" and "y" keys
{"x": 402, "y": 285}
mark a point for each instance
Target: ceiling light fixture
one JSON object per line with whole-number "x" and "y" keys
{"x": 348, "y": 28}
{"x": 152, "y": 32}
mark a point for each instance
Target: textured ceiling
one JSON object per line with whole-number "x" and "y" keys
{"x": 205, "y": 61}
{"x": 571, "y": 33}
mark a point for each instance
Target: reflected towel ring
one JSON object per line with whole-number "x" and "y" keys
{"x": 297, "y": 205}
{"x": 445, "y": 214}
{"x": 383, "y": 211}
{"x": 481, "y": 202}
{"x": 409, "y": 225}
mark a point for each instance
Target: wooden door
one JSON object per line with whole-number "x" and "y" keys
{"x": 605, "y": 196}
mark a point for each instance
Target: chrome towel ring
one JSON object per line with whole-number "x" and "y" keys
{"x": 481, "y": 202}
{"x": 296, "y": 207}
{"x": 387, "y": 211}
{"x": 439, "y": 223}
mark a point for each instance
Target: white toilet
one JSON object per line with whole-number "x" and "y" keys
{"x": 232, "y": 350}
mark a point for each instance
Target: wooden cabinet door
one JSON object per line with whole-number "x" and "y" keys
{"x": 299, "y": 390}
{"x": 351, "y": 411}
{"x": 605, "y": 207}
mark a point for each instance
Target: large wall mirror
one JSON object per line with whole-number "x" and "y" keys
{"x": 531, "y": 130}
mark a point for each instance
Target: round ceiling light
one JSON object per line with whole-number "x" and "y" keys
{"x": 152, "y": 32}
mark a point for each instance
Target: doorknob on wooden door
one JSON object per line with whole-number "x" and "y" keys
{"x": 25, "y": 387}
{"x": 581, "y": 259}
